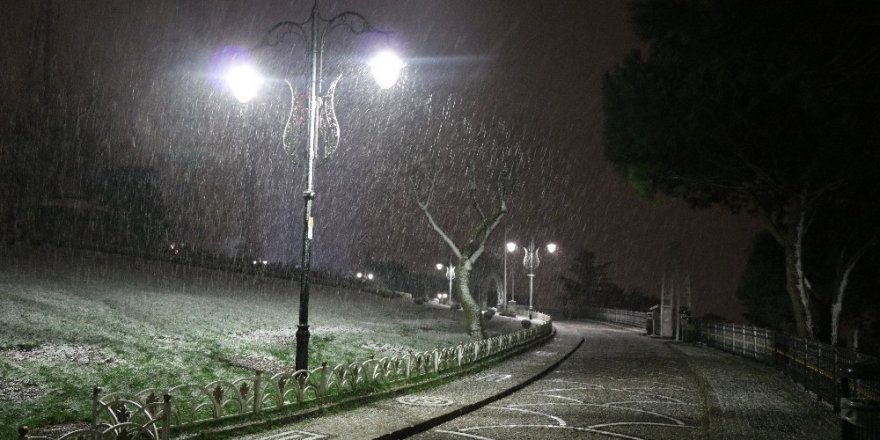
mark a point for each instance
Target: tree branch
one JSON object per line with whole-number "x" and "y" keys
{"x": 486, "y": 227}
{"x": 443, "y": 235}
{"x": 473, "y": 191}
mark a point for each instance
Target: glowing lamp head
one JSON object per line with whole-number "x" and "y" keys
{"x": 386, "y": 68}
{"x": 511, "y": 246}
{"x": 244, "y": 81}
{"x": 439, "y": 266}
{"x": 370, "y": 276}
{"x": 359, "y": 275}
{"x": 551, "y": 248}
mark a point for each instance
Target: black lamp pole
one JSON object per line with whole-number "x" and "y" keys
{"x": 531, "y": 261}
{"x": 313, "y": 30}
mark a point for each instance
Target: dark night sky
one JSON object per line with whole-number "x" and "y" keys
{"x": 533, "y": 64}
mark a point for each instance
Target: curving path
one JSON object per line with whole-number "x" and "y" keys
{"x": 621, "y": 385}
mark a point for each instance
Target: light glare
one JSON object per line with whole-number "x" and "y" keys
{"x": 244, "y": 81}
{"x": 386, "y": 68}
{"x": 511, "y": 246}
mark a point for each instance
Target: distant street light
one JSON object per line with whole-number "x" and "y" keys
{"x": 364, "y": 276}
{"x": 509, "y": 247}
{"x": 531, "y": 261}
{"x": 245, "y": 82}
{"x": 450, "y": 273}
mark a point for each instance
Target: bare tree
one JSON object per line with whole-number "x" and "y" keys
{"x": 468, "y": 254}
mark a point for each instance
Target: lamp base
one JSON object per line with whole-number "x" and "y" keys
{"x": 511, "y": 309}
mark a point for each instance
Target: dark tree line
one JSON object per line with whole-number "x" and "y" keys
{"x": 761, "y": 291}
{"x": 765, "y": 107}
{"x": 394, "y": 275}
{"x": 587, "y": 285}
{"x": 59, "y": 182}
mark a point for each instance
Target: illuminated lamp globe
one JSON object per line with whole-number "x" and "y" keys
{"x": 386, "y": 68}
{"x": 244, "y": 81}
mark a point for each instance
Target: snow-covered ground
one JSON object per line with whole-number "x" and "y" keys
{"x": 72, "y": 320}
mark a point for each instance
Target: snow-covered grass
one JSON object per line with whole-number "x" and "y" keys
{"x": 72, "y": 320}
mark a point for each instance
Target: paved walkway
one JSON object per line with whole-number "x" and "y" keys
{"x": 617, "y": 384}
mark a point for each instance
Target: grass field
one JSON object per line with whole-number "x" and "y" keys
{"x": 71, "y": 320}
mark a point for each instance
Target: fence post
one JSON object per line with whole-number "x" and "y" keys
{"x": 788, "y": 357}
{"x": 732, "y": 348}
{"x": 166, "y": 417}
{"x": 817, "y": 373}
{"x": 806, "y": 353}
{"x": 755, "y": 341}
{"x": 258, "y": 392}
{"x": 724, "y": 337}
{"x": 96, "y": 392}
{"x": 738, "y": 331}
{"x": 836, "y": 403}
{"x": 713, "y": 334}
{"x": 777, "y": 358}
{"x": 729, "y": 329}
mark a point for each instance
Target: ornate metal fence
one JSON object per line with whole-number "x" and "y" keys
{"x": 630, "y": 318}
{"x": 813, "y": 364}
{"x": 744, "y": 340}
{"x": 156, "y": 413}
{"x": 542, "y": 316}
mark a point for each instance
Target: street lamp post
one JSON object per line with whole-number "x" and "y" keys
{"x": 509, "y": 247}
{"x": 450, "y": 274}
{"x": 385, "y": 68}
{"x": 531, "y": 261}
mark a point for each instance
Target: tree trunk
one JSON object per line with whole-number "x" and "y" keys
{"x": 466, "y": 257}
{"x": 844, "y": 270}
{"x": 795, "y": 284}
{"x": 471, "y": 309}
{"x": 837, "y": 307}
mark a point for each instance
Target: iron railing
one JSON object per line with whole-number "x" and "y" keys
{"x": 630, "y": 318}
{"x": 813, "y": 364}
{"x": 157, "y": 413}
